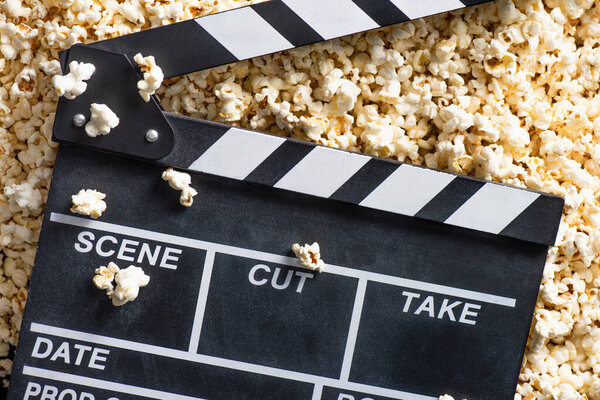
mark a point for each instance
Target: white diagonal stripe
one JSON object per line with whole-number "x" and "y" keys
{"x": 422, "y": 8}
{"x": 236, "y": 153}
{"x": 492, "y": 208}
{"x": 332, "y": 18}
{"x": 407, "y": 190}
{"x": 244, "y": 33}
{"x": 322, "y": 171}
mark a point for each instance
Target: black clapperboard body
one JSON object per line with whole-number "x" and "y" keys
{"x": 430, "y": 279}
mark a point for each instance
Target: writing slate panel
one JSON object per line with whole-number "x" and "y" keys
{"x": 286, "y": 317}
{"x": 404, "y": 309}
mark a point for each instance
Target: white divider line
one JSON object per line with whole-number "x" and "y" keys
{"x": 353, "y": 331}
{"x": 317, "y": 392}
{"x": 279, "y": 259}
{"x": 104, "y": 385}
{"x": 221, "y": 362}
{"x": 201, "y": 304}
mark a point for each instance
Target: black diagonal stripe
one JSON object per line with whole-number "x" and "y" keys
{"x": 362, "y": 183}
{"x": 280, "y": 162}
{"x": 179, "y": 48}
{"x": 287, "y": 22}
{"x": 384, "y": 12}
{"x": 468, "y": 3}
{"x": 446, "y": 202}
{"x": 539, "y": 222}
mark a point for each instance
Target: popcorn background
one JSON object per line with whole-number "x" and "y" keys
{"x": 507, "y": 91}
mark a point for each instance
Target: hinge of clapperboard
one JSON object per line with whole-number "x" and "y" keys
{"x": 284, "y": 163}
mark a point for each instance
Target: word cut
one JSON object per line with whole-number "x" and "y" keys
{"x": 431, "y": 307}
{"x": 96, "y": 357}
{"x": 261, "y": 275}
{"x": 128, "y": 250}
{"x": 49, "y": 392}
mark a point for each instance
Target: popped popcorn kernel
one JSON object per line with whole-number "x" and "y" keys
{"x": 89, "y": 202}
{"x": 153, "y": 76}
{"x": 73, "y": 84}
{"x": 309, "y": 256}
{"x": 102, "y": 120}
{"x": 181, "y": 181}
{"x": 128, "y": 282}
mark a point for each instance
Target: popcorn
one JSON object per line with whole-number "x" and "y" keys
{"x": 594, "y": 389}
{"x": 549, "y": 325}
{"x": 132, "y": 11}
{"x": 89, "y": 202}
{"x": 153, "y": 76}
{"x": 24, "y": 85}
{"x": 24, "y": 195}
{"x": 232, "y": 102}
{"x": 14, "y": 8}
{"x": 104, "y": 277}
{"x": 15, "y": 39}
{"x": 309, "y": 256}
{"x": 73, "y": 84}
{"x": 128, "y": 280}
{"x": 102, "y": 120}
{"x": 181, "y": 181}
{"x": 51, "y": 67}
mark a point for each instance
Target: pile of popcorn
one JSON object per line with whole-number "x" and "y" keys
{"x": 507, "y": 91}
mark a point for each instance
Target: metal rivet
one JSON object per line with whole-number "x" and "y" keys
{"x": 79, "y": 120}
{"x": 151, "y": 135}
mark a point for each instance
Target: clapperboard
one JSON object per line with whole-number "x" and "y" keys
{"x": 430, "y": 278}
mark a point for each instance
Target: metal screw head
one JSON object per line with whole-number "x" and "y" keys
{"x": 151, "y": 135}
{"x": 79, "y": 120}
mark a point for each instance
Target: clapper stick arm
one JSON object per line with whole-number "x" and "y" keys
{"x": 210, "y": 41}
{"x": 265, "y": 28}
{"x": 373, "y": 182}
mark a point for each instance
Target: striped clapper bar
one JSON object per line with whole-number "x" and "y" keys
{"x": 430, "y": 279}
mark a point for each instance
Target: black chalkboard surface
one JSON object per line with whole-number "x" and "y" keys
{"x": 404, "y": 309}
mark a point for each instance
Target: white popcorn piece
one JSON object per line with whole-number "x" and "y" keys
{"x": 73, "y": 84}
{"x": 15, "y": 8}
{"x": 51, "y": 67}
{"x": 593, "y": 391}
{"x": 15, "y": 39}
{"x": 233, "y": 103}
{"x": 24, "y": 195}
{"x": 549, "y": 325}
{"x": 132, "y": 11}
{"x": 89, "y": 202}
{"x": 25, "y": 83}
{"x": 128, "y": 282}
{"x": 181, "y": 181}
{"x": 153, "y": 76}
{"x": 105, "y": 275}
{"x": 102, "y": 120}
{"x": 309, "y": 256}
